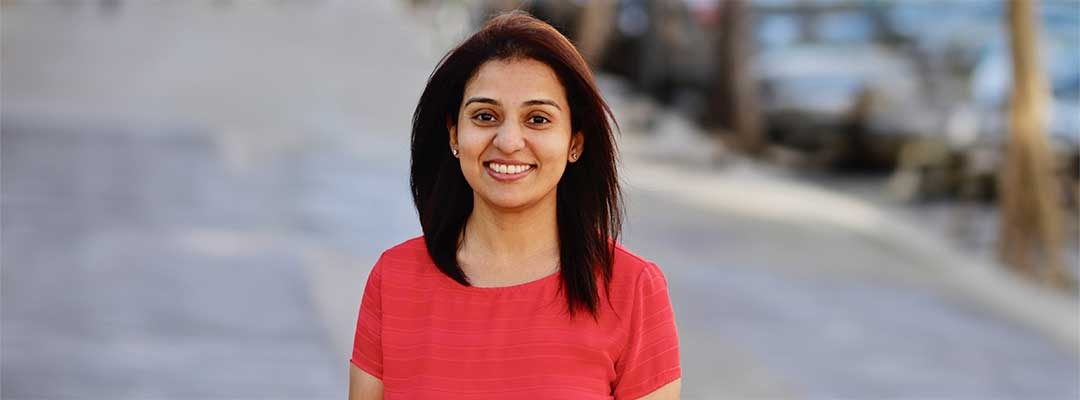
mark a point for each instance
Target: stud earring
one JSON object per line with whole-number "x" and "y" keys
{"x": 454, "y": 151}
{"x": 573, "y": 156}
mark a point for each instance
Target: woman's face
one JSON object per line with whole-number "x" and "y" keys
{"x": 513, "y": 133}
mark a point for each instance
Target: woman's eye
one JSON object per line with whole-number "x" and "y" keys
{"x": 536, "y": 119}
{"x": 485, "y": 117}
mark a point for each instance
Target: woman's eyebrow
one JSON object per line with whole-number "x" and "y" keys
{"x": 534, "y": 102}
{"x": 485, "y": 100}
{"x": 538, "y": 102}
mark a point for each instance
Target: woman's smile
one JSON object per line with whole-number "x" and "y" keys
{"x": 508, "y": 171}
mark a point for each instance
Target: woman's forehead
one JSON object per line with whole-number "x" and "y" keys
{"x": 515, "y": 81}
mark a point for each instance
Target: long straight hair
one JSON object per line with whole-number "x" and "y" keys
{"x": 588, "y": 199}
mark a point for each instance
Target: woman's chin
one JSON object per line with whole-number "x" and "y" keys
{"x": 508, "y": 204}
{"x": 510, "y": 201}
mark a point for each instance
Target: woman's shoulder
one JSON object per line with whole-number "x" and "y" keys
{"x": 408, "y": 248}
{"x": 410, "y": 255}
{"x": 631, "y": 269}
{"x": 634, "y": 280}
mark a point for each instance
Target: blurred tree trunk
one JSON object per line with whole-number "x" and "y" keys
{"x": 595, "y": 25}
{"x": 734, "y": 95}
{"x": 1030, "y": 227}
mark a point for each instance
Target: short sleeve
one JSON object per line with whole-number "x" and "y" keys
{"x": 650, "y": 358}
{"x": 367, "y": 344}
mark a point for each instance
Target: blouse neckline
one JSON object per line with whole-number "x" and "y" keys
{"x": 539, "y": 282}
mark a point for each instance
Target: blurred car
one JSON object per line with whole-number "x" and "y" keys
{"x": 968, "y": 47}
{"x": 837, "y": 81}
{"x": 969, "y": 41}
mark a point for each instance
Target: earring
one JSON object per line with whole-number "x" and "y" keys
{"x": 573, "y": 156}
{"x": 454, "y": 151}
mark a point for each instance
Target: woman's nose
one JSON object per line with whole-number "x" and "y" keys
{"x": 510, "y": 138}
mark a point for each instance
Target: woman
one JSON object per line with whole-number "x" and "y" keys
{"x": 518, "y": 288}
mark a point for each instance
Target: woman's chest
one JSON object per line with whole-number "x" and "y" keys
{"x": 506, "y": 342}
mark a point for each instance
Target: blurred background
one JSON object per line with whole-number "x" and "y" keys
{"x": 850, "y": 199}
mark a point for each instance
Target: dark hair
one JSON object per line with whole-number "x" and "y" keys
{"x": 588, "y": 201}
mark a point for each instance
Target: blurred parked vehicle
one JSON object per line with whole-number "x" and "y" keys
{"x": 969, "y": 47}
{"x": 839, "y": 82}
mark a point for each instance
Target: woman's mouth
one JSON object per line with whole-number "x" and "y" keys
{"x": 507, "y": 172}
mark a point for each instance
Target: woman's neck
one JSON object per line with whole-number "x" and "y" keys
{"x": 501, "y": 240}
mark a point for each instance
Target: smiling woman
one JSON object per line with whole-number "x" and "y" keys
{"x": 518, "y": 287}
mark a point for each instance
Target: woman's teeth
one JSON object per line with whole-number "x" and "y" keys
{"x": 508, "y": 169}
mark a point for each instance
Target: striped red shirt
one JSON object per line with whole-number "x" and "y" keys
{"x": 426, "y": 336}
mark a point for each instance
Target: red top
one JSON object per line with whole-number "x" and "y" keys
{"x": 427, "y": 336}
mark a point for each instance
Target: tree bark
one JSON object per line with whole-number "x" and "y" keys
{"x": 735, "y": 94}
{"x": 595, "y": 25}
{"x": 1030, "y": 238}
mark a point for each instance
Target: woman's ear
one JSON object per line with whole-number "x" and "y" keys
{"x": 452, "y": 129}
{"x": 577, "y": 146}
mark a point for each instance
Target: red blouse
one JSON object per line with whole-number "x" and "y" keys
{"x": 426, "y": 336}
